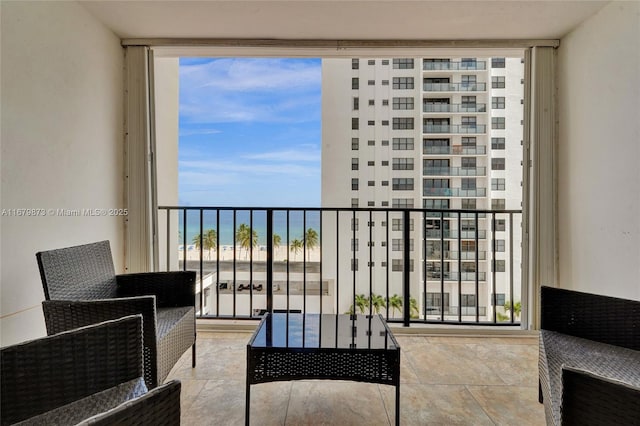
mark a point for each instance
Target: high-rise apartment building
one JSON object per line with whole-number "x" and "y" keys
{"x": 426, "y": 132}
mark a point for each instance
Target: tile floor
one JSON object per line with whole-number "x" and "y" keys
{"x": 444, "y": 381}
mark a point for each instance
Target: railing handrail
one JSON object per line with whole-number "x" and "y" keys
{"x": 342, "y": 209}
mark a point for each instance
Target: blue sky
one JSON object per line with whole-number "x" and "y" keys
{"x": 250, "y": 132}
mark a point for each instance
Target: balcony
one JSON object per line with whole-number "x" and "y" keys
{"x": 454, "y": 87}
{"x": 322, "y": 260}
{"x": 454, "y": 108}
{"x": 454, "y": 129}
{"x": 454, "y": 192}
{"x": 454, "y": 171}
{"x": 454, "y": 66}
{"x": 436, "y": 371}
{"x": 455, "y": 150}
{"x": 455, "y": 255}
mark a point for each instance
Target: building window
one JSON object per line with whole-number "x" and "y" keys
{"x": 371, "y": 163}
{"x": 435, "y": 183}
{"x": 385, "y": 62}
{"x": 497, "y": 164}
{"x": 500, "y": 266}
{"x": 497, "y": 102}
{"x": 468, "y": 246}
{"x": 371, "y": 62}
{"x": 500, "y": 225}
{"x": 499, "y": 245}
{"x": 355, "y": 123}
{"x": 403, "y": 63}
{"x": 371, "y": 82}
{"x": 385, "y": 83}
{"x": 435, "y": 204}
{"x": 385, "y": 142}
{"x": 385, "y": 183}
{"x": 498, "y": 204}
{"x": 355, "y": 83}
{"x": 497, "y": 184}
{"x": 385, "y": 162}
{"x": 397, "y": 265}
{"x": 402, "y": 123}
{"x": 396, "y": 224}
{"x": 354, "y": 184}
{"x": 497, "y": 122}
{"x": 354, "y": 224}
{"x": 354, "y": 264}
{"x": 434, "y": 302}
{"x": 371, "y": 122}
{"x": 355, "y": 163}
{"x": 355, "y": 63}
{"x": 385, "y": 204}
{"x": 497, "y": 62}
{"x": 468, "y": 82}
{"x": 397, "y": 244}
{"x": 385, "y": 122}
{"x": 354, "y": 203}
{"x": 402, "y": 184}
{"x": 497, "y": 143}
{"x": 468, "y": 184}
{"x": 469, "y": 141}
{"x": 468, "y": 204}
{"x": 468, "y": 300}
{"x": 372, "y": 102}
{"x": 371, "y": 143}
{"x": 370, "y": 203}
{"x": 497, "y": 82}
{"x": 468, "y": 162}
{"x": 356, "y": 104}
{"x": 402, "y": 164}
{"x": 403, "y": 82}
{"x": 468, "y": 122}
{"x": 385, "y": 102}
{"x": 371, "y": 183}
{"x": 402, "y": 203}
{"x": 355, "y": 144}
{"x": 402, "y": 144}
{"x": 403, "y": 103}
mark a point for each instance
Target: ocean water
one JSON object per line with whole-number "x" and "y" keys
{"x": 259, "y": 224}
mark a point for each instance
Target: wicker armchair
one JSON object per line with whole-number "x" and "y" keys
{"x": 81, "y": 288}
{"x": 90, "y": 376}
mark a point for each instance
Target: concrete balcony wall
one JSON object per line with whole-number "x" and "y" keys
{"x": 62, "y": 147}
{"x": 598, "y": 153}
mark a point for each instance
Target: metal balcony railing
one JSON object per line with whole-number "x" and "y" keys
{"x": 454, "y": 171}
{"x": 454, "y": 128}
{"x": 454, "y": 66}
{"x": 453, "y": 108}
{"x": 454, "y": 192}
{"x": 454, "y": 87}
{"x": 455, "y": 150}
{"x": 335, "y": 260}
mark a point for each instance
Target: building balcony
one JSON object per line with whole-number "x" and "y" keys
{"x": 454, "y": 129}
{"x": 454, "y": 192}
{"x": 454, "y": 87}
{"x": 454, "y": 108}
{"x": 455, "y": 150}
{"x": 454, "y": 66}
{"x": 454, "y": 171}
{"x": 452, "y": 234}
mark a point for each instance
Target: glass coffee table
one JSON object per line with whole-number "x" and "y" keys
{"x": 323, "y": 346}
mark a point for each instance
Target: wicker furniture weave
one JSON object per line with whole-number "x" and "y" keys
{"x": 91, "y": 375}
{"x": 81, "y": 288}
{"x": 328, "y": 346}
{"x": 589, "y": 364}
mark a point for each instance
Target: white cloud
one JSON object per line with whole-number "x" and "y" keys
{"x": 311, "y": 154}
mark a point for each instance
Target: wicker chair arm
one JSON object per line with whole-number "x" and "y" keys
{"x": 47, "y": 373}
{"x": 172, "y": 289}
{"x": 161, "y": 407}
{"x": 591, "y": 399}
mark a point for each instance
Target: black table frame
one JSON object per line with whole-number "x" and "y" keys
{"x": 272, "y": 364}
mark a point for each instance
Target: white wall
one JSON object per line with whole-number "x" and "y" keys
{"x": 62, "y": 146}
{"x": 599, "y": 152}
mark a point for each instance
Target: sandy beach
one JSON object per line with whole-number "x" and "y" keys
{"x": 226, "y": 252}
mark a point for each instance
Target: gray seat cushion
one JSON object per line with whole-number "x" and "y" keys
{"x": 92, "y": 405}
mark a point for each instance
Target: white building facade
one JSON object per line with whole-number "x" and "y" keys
{"x": 435, "y": 133}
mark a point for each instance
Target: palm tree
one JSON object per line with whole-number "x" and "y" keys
{"x": 413, "y": 305}
{"x": 295, "y": 246}
{"x": 209, "y": 238}
{"x": 362, "y": 303}
{"x": 395, "y": 303}
{"x": 277, "y": 240}
{"x": 310, "y": 240}
{"x": 247, "y": 238}
{"x": 517, "y": 308}
{"x": 378, "y": 302}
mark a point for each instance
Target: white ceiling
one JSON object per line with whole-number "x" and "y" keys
{"x": 346, "y": 19}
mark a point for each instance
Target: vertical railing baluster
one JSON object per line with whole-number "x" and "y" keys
{"x": 442, "y": 266}
{"x": 387, "y": 258}
{"x": 234, "y": 262}
{"x": 424, "y": 263}
{"x": 337, "y": 308}
{"x": 353, "y": 257}
{"x": 184, "y": 239}
{"x": 459, "y": 268}
{"x": 168, "y": 239}
{"x": 320, "y": 261}
{"x": 370, "y": 263}
{"x": 477, "y": 250}
{"x": 201, "y": 263}
{"x": 288, "y": 261}
{"x": 270, "y": 258}
{"x": 406, "y": 235}
{"x": 513, "y": 308}
{"x": 217, "y": 262}
{"x": 493, "y": 273}
{"x": 251, "y": 263}
{"x": 304, "y": 261}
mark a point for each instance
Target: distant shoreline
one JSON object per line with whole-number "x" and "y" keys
{"x": 226, "y": 252}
